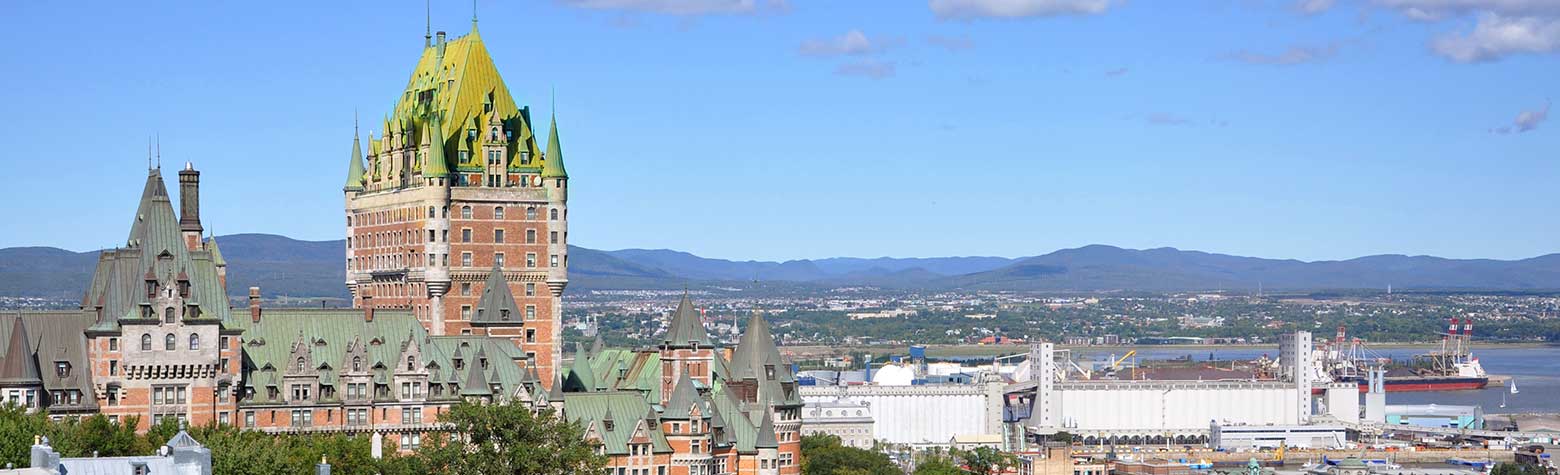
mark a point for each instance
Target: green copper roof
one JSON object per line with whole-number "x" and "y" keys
{"x": 355, "y": 168}
{"x": 686, "y": 329}
{"x": 476, "y": 383}
{"x": 216, "y": 254}
{"x": 552, "y": 165}
{"x": 683, "y": 401}
{"x": 435, "y": 165}
{"x": 628, "y": 412}
{"x": 766, "y": 433}
{"x": 17, "y": 366}
{"x": 581, "y": 377}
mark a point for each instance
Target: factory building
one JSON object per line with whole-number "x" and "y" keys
{"x": 1435, "y": 415}
{"x": 1237, "y": 437}
{"x": 921, "y": 415}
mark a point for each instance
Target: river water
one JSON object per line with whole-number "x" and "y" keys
{"x": 1536, "y": 371}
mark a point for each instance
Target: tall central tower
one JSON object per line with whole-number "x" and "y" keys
{"x": 455, "y": 189}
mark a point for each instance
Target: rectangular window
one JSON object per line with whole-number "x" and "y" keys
{"x": 465, "y": 259}
{"x": 465, "y": 235}
{"x": 113, "y": 367}
{"x": 465, "y": 312}
{"x": 552, "y": 237}
{"x": 498, "y": 236}
{"x": 530, "y": 312}
{"x": 113, "y": 344}
{"x": 498, "y": 259}
{"x": 530, "y": 335}
{"x": 465, "y": 289}
{"x": 530, "y": 260}
{"x": 552, "y": 260}
{"x": 530, "y": 236}
{"x": 530, "y": 289}
{"x": 249, "y": 419}
{"x": 222, "y": 343}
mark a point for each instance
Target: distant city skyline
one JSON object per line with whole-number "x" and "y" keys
{"x": 775, "y": 130}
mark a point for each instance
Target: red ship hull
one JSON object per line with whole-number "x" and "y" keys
{"x": 1407, "y": 384}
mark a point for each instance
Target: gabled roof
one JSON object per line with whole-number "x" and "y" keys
{"x": 17, "y": 364}
{"x": 54, "y": 336}
{"x": 497, "y": 304}
{"x": 686, "y": 329}
{"x": 476, "y": 383}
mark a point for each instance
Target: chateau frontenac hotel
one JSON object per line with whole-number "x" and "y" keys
{"x": 456, "y": 257}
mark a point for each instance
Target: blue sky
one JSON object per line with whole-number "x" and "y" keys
{"x": 769, "y": 129}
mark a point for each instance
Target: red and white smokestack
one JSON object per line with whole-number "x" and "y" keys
{"x": 1468, "y": 327}
{"x": 1452, "y": 330}
{"x": 1340, "y": 334}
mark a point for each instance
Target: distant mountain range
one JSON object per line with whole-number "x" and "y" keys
{"x": 283, "y": 266}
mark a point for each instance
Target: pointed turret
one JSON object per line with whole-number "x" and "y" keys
{"x": 581, "y": 377}
{"x": 476, "y": 383}
{"x": 766, "y": 433}
{"x": 686, "y": 329}
{"x": 756, "y": 349}
{"x": 497, "y": 304}
{"x": 684, "y": 398}
{"x": 435, "y": 166}
{"x": 553, "y": 166}
{"x": 355, "y": 169}
{"x": 18, "y": 367}
{"x": 597, "y": 345}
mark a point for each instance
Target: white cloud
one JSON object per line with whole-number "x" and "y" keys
{"x": 683, "y": 7}
{"x": 1496, "y": 36}
{"x": 1526, "y": 120}
{"x": 1437, "y": 9}
{"x": 1294, "y": 55}
{"x": 972, "y": 9}
{"x": 867, "y": 68}
{"x": 1312, "y": 7}
{"x": 853, "y": 42}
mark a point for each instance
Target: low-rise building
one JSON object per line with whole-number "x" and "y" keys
{"x": 850, "y": 420}
{"x": 182, "y": 455}
{"x": 1236, "y": 437}
{"x": 1436, "y": 415}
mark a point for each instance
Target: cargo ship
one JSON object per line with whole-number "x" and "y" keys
{"x": 1452, "y": 367}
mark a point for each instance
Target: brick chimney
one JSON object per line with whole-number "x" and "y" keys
{"x": 254, "y": 304}
{"x": 189, "y": 206}
{"x": 368, "y": 308}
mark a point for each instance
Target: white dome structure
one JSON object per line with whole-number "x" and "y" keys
{"x": 893, "y": 375}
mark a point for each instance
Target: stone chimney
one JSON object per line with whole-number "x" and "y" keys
{"x": 254, "y": 304}
{"x": 368, "y": 308}
{"x": 189, "y": 206}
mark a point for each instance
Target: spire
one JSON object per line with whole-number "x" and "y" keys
{"x": 553, "y": 166}
{"x": 427, "y": 23}
{"x": 159, "y": 151}
{"x": 597, "y": 345}
{"x": 581, "y": 377}
{"x": 473, "y": 16}
{"x": 686, "y": 329}
{"x": 355, "y": 168}
{"x": 756, "y": 349}
{"x": 476, "y": 382}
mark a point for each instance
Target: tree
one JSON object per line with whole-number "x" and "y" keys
{"x": 1517, "y": 469}
{"x": 986, "y": 460}
{"x": 494, "y": 439}
{"x": 937, "y": 465}
{"x": 825, "y": 455}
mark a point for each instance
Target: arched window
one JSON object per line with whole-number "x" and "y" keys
{"x": 430, "y": 211}
{"x": 498, "y": 212}
{"x": 411, "y": 363}
{"x": 146, "y": 342}
{"x": 357, "y": 364}
{"x": 530, "y": 213}
{"x": 194, "y": 341}
{"x": 168, "y": 342}
{"x": 168, "y": 315}
{"x": 555, "y": 214}
{"x": 300, "y": 363}
{"x": 465, "y": 212}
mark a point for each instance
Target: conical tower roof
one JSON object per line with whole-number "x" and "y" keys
{"x": 756, "y": 349}
{"x": 581, "y": 376}
{"x": 18, "y": 367}
{"x": 476, "y": 383}
{"x": 684, "y": 397}
{"x": 553, "y": 166}
{"x": 355, "y": 169}
{"x": 434, "y": 166}
{"x": 686, "y": 329}
{"x": 766, "y": 432}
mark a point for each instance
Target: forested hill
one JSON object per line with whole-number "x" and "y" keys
{"x": 282, "y": 266}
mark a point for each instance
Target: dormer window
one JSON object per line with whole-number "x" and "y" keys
{"x": 62, "y": 369}
{"x": 504, "y": 314}
{"x": 459, "y": 363}
{"x": 300, "y": 364}
{"x": 151, "y": 288}
{"x": 769, "y": 371}
{"x": 357, "y": 364}
{"x": 184, "y": 289}
{"x": 411, "y": 363}
{"x": 483, "y": 361}
{"x": 168, "y": 315}
{"x": 493, "y": 134}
